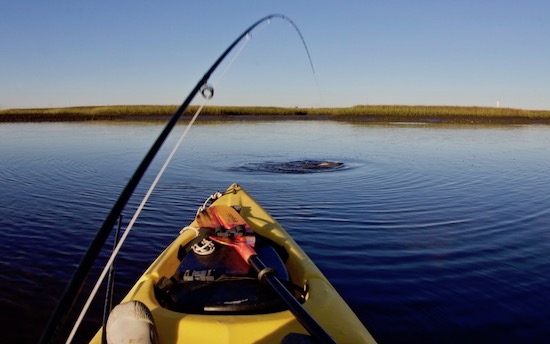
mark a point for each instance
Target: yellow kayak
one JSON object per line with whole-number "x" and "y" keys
{"x": 202, "y": 289}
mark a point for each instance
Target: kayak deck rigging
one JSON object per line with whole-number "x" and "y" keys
{"x": 221, "y": 282}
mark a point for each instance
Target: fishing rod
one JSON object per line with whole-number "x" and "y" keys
{"x": 73, "y": 289}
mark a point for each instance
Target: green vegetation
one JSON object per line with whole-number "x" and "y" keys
{"x": 370, "y": 113}
{"x": 85, "y": 113}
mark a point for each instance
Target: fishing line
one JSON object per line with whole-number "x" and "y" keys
{"x": 75, "y": 285}
{"x": 302, "y": 39}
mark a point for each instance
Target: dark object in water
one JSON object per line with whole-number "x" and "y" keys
{"x": 296, "y": 167}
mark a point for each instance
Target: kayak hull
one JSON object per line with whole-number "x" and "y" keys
{"x": 322, "y": 301}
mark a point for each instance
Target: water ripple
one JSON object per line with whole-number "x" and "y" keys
{"x": 292, "y": 167}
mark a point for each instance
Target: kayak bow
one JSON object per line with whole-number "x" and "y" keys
{"x": 193, "y": 300}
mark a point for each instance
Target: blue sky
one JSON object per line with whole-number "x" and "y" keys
{"x": 466, "y": 53}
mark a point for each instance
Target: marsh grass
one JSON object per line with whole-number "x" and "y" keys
{"x": 84, "y": 113}
{"x": 371, "y": 113}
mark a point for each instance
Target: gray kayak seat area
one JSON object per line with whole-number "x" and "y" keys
{"x": 222, "y": 282}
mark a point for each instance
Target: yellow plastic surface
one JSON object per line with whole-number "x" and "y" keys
{"x": 323, "y": 302}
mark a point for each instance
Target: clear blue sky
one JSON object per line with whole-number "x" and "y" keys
{"x": 473, "y": 53}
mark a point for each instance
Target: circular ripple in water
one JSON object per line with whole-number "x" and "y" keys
{"x": 291, "y": 167}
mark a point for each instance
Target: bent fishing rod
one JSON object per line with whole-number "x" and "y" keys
{"x": 73, "y": 289}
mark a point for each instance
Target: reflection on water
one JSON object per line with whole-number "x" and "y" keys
{"x": 429, "y": 232}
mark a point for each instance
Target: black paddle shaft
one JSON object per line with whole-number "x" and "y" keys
{"x": 267, "y": 275}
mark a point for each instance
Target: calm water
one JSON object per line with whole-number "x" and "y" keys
{"x": 430, "y": 233}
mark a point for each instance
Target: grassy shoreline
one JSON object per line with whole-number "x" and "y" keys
{"x": 361, "y": 113}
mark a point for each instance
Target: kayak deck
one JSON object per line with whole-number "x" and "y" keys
{"x": 221, "y": 282}
{"x": 195, "y": 321}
